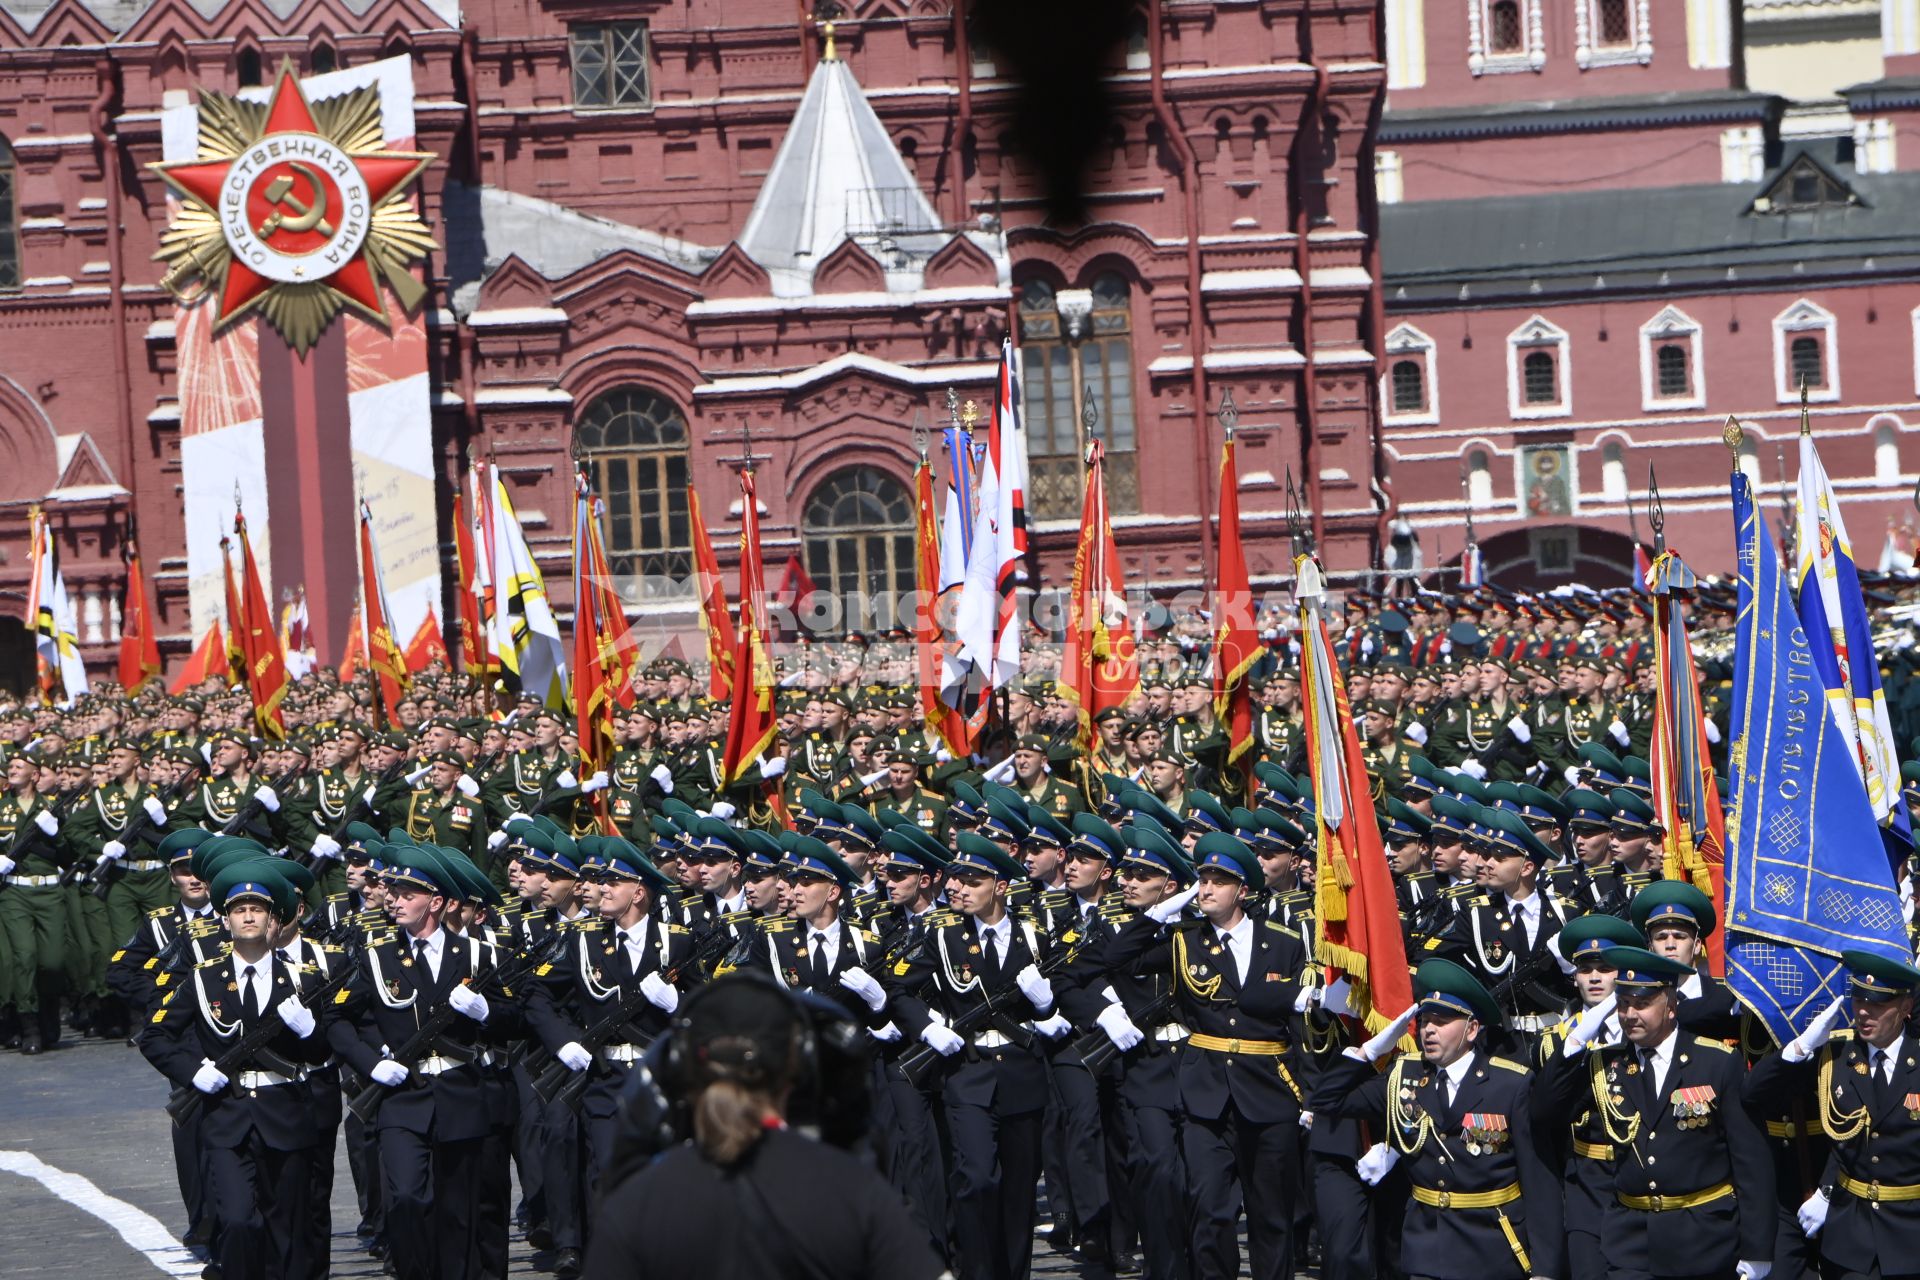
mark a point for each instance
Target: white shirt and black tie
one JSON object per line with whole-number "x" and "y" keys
{"x": 1527, "y": 911}
{"x": 427, "y": 953}
{"x": 1238, "y": 943}
{"x": 995, "y": 939}
{"x": 255, "y": 981}
{"x": 823, "y": 945}
{"x": 635, "y": 941}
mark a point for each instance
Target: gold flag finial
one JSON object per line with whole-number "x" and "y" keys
{"x": 1806, "y": 425}
{"x": 1734, "y": 438}
{"x": 828, "y": 53}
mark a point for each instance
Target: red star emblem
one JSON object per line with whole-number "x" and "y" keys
{"x": 294, "y": 207}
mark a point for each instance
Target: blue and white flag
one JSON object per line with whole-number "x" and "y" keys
{"x": 1806, "y": 878}
{"x": 1826, "y": 591}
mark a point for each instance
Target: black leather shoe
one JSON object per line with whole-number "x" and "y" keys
{"x": 539, "y": 1239}
{"x": 567, "y": 1264}
{"x": 30, "y": 1042}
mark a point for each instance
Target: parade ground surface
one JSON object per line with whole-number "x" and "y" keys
{"x": 86, "y": 1175}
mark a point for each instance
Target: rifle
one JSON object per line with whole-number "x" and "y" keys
{"x": 1508, "y": 990}
{"x": 1096, "y": 1049}
{"x": 29, "y": 831}
{"x": 184, "y": 1103}
{"x": 366, "y": 1103}
{"x": 561, "y": 1083}
{"x": 917, "y": 1064}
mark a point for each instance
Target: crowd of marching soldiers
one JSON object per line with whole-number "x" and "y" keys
{"x": 1088, "y": 977}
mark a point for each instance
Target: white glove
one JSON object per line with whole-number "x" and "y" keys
{"x": 942, "y": 1040}
{"x": 1589, "y": 1026}
{"x": 465, "y": 1000}
{"x": 1520, "y": 729}
{"x": 942, "y": 756}
{"x": 1572, "y": 774}
{"x": 1753, "y": 1270}
{"x": 325, "y": 846}
{"x": 46, "y": 821}
{"x": 1168, "y": 910}
{"x": 722, "y": 809}
{"x": 388, "y": 1072}
{"x": 661, "y": 775}
{"x": 1813, "y": 1214}
{"x": 1712, "y": 731}
{"x": 297, "y": 1017}
{"x": 513, "y": 818}
{"x": 1619, "y": 732}
{"x": 1034, "y": 986}
{"x": 369, "y": 794}
{"x": 773, "y": 766}
{"x": 1053, "y": 1028}
{"x": 1416, "y": 733}
{"x": 413, "y": 779}
{"x": 1000, "y": 772}
{"x": 1801, "y": 1047}
{"x": 1474, "y": 769}
{"x": 1119, "y": 1027}
{"x": 889, "y": 1034}
{"x": 1306, "y": 1120}
{"x": 268, "y": 800}
{"x": 1377, "y": 1163}
{"x": 598, "y": 782}
{"x": 209, "y": 1078}
{"x": 574, "y": 1056}
{"x": 6, "y": 866}
{"x": 1334, "y": 998}
{"x": 858, "y": 981}
{"x": 1382, "y": 1044}
{"x": 566, "y": 779}
{"x": 659, "y": 993}
{"x": 873, "y": 779}
{"x": 466, "y": 785}
{"x": 111, "y": 850}
{"x": 495, "y": 840}
{"x": 155, "y": 810}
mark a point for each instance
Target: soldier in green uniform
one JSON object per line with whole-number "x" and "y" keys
{"x": 1037, "y": 786}
{"x": 906, "y": 795}
{"x": 439, "y": 813}
{"x": 33, "y": 915}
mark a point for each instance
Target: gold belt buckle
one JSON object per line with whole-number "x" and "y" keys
{"x": 1446, "y": 1200}
{"x": 1659, "y": 1203}
{"x": 1873, "y": 1191}
{"x": 1233, "y": 1046}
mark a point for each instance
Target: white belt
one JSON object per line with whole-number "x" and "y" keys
{"x": 436, "y": 1065}
{"x": 626, "y": 1053}
{"x": 262, "y": 1079}
{"x": 1534, "y": 1022}
{"x": 991, "y": 1040}
{"x": 148, "y": 864}
{"x": 33, "y": 882}
{"x": 1171, "y": 1033}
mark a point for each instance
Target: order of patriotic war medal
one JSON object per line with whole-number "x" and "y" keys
{"x": 296, "y": 211}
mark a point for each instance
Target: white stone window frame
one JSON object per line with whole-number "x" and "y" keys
{"x": 1533, "y": 51}
{"x": 1671, "y": 325}
{"x": 1539, "y": 334}
{"x": 1637, "y": 52}
{"x": 1407, "y": 342}
{"x": 1915, "y": 317}
{"x": 1803, "y": 317}
{"x": 1389, "y": 177}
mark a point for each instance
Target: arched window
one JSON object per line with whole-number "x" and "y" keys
{"x": 636, "y": 443}
{"x": 1479, "y": 480}
{"x": 1672, "y": 362}
{"x": 9, "y": 226}
{"x": 1076, "y": 349}
{"x": 1613, "y": 24}
{"x": 1886, "y": 452}
{"x": 1806, "y": 364}
{"x": 1409, "y": 387}
{"x": 1504, "y": 34}
{"x": 1139, "y": 54}
{"x": 1613, "y": 472}
{"x": 858, "y": 532}
{"x": 1541, "y": 382}
{"x": 248, "y": 68}
{"x": 323, "y": 59}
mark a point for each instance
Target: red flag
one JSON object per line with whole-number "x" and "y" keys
{"x": 1236, "y": 641}
{"x": 751, "y": 725}
{"x": 427, "y": 646}
{"x": 236, "y": 656}
{"x": 473, "y": 636}
{"x": 714, "y": 622}
{"x": 796, "y": 586}
{"x": 379, "y": 649}
{"x": 209, "y": 659}
{"x": 1098, "y": 666}
{"x": 1359, "y": 914}
{"x": 356, "y": 655}
{"x": 266, "y": 664}
{"x": 929, "y": 640}
{"x": 139, "y": 645}
{"x": 603, "y": 649}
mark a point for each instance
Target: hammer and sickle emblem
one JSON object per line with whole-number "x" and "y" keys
{"x": 304, "y": 218}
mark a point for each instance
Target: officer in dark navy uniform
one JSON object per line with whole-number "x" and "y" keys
{"x": 994, "y": 1086}
{"x": 1239, "y": 987}
{"x": 1864, "y": 1084}
{"x": 1693, "y": 1184}
{"x": 1677, "y": 919}
{"x": 259, "y": 1133}
{"x": 1458, "y": 1118}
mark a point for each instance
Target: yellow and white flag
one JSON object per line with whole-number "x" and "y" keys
{"x": 56, "y": 629}
{"x": 524, "y": 631}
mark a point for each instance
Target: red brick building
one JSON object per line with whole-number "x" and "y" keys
{"x": 1598, "y": 246}
{"x": 673, "y": 228}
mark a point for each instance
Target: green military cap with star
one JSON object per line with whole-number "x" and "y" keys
{"x": 1669, "y": 902}
{"x": 1444, "y": 989}
{"x": 1590, "y": 936}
